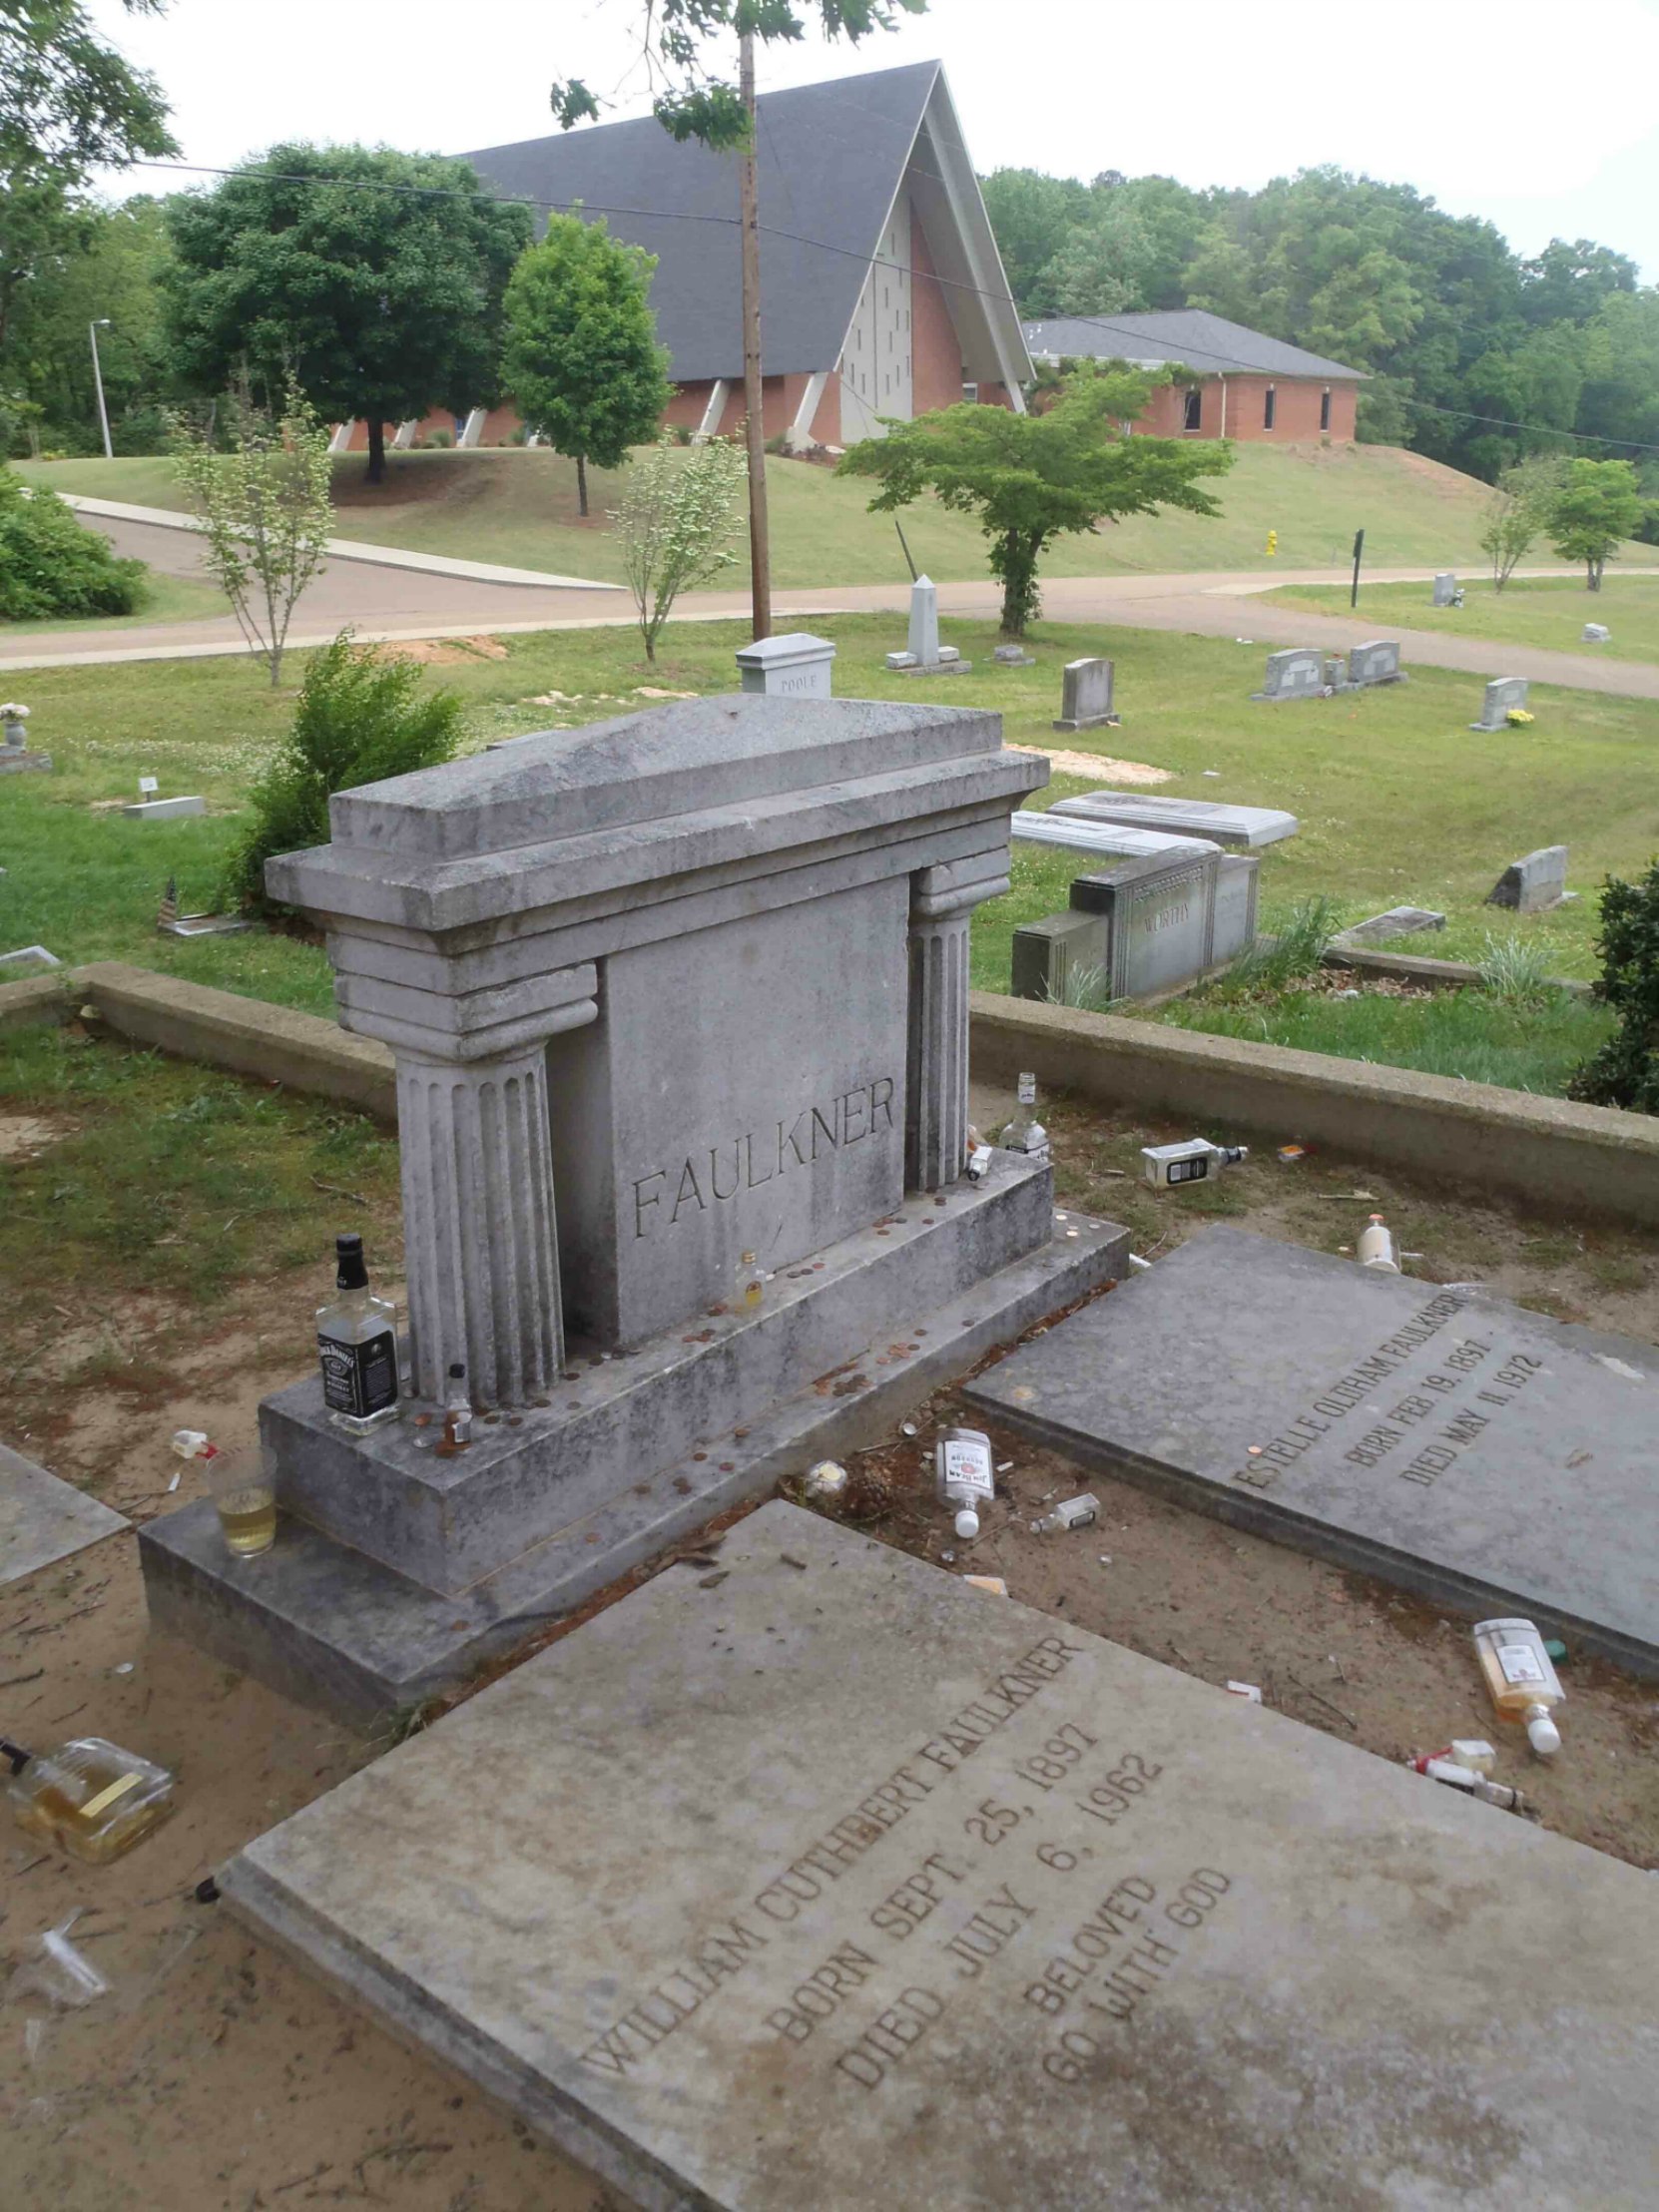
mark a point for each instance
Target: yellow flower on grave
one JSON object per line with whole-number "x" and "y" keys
{"x": 1517, "y": 718}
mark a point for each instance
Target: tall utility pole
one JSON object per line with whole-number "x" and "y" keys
{"x": 103, "y": 323}
{"x": 759, "y": 548}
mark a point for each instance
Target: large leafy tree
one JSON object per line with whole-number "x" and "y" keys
{"x": 375, "y": 276}
{"x": 581, "y": 356}
{"x": 1034, "y": 477}
{"x": 1598, "y": 506}
{"x": 101, "y": 266}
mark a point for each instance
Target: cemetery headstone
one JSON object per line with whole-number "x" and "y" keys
{"x": 1247, "y": 826}
{"x": 1136, "y": 928}
{"x": 15, "y": 752}
{"x": 1414, "y": 1431}
{"x": 661, "y": 992}
{"x": 27, "y": 959}
{"x": 1031, "y": 826}
{"x": 1086, "y": 700}
{"x": 43, "y": 1519}
{"x": 925, "y": 655}
{"x": 1445, "y": 587}
{"x": 1296, "y": 673}
{"x": 1533, "y": 883}
{"x": 1014, "y": 656}
{"x": 1377, "y": 662}
{"x": 852, "y": 1870}
{"x": 1398, "y": 921}
{"x": 1595, "y": 633}
{"x": 1237, "y": 883}
{"x": 794, "y": 666}
{"x": 1504, "y": 695}
{"x": 165, "y": 809}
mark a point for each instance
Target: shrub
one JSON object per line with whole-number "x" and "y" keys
{"x": 674, "y": 522}
{"x": 1516, "y": 968}
{"x": 357, "y": 720}
{"x": 1625, "y": 1072}
{"x": 1301, "y": 944}
{"x": 682, "y": 436}
{"x": 50, "y": 566}
{"x": 439, "y": 437}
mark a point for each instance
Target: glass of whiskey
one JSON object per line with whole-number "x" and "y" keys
{"x": 243, "y": 1489}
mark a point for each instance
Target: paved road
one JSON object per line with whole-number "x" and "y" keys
{"x": 404, "y": 603}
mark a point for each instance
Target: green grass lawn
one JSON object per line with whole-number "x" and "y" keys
{"x": 166, "y": 599}
{"x": 1541, "y": 610}
{"x": 519, "y": 508}
{"x": 1399, "y": 802}
{"x": 1466, "y": 1033}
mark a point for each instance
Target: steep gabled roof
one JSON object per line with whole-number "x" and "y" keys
{"x": 1190, "y": 335}
{"x": 830, "y": 160}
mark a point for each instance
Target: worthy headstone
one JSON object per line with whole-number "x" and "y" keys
{"x": 1086, "y": 699}
{"x": 794, "y": 666}
{"x": 43, "y": 1519}
{"x": 1445, "y": 587}
{"x": 1030, "y": 826}
{"x": 1422, "y": 1432}
{"x": 925, "y": 655}
{"x": 1398, "y": 921}
{"x": 1247, "y": 827}
{"x": 1504, "y": 695}
{"x": 1377, "y": 662}
{"x": 1533, "y": 883}
{"x": 1296, "y": 673}
{"x": 850, "y": 1870}
{"x": 1595, "y": 633}
{"x": 1014, "y": 656}
{"x": 662, "y": 993}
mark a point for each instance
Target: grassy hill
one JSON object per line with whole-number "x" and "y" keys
{"x": 521, "y": 508}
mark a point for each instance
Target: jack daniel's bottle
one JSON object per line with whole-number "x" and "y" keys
{"x": 356, "y": 1342}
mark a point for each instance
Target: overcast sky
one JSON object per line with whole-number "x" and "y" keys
{"x": 1545, "y": 123}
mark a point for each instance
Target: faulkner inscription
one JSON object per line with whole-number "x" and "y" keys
{"x": 712, "y": 1175}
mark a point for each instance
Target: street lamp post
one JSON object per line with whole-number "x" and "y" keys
{"x": 102, "y": 323}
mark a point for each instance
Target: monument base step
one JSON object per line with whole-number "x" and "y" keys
{"x": 331, "y": 1627}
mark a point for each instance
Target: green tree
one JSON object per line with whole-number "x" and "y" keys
{"x": 1571, "y": 283}
{"x": 104, "y": 267}
{"x": 1519, "y": 512}
{"x": 674, "y": 523}
{"x": 264, "y": 508}
{"x": 581, "y": 356}
{"x": 1103, "y": 269}
{"x": 1033, "y": 216}
{"x": 1626, "y": 1071}
{"x": 374, "y": 276}
{"x": 1598, "y": 506}
{"x": 1034, "y": 477}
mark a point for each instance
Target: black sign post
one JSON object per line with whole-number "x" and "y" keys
{"x": 1358, "y": 548}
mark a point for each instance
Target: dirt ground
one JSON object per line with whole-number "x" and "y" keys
{"x": 214, "y": 2075}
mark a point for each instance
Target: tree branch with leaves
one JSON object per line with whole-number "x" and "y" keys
{"x": 676, "y": 522}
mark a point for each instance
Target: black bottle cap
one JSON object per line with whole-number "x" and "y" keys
{"x": 14, "y": 1755}
{"x": 457, "y": 1373}
{"x": 353, "y": 1271}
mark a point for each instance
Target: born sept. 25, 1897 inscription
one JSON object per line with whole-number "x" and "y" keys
{"x": 845, "y": 1884}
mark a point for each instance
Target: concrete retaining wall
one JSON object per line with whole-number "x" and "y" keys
{"x": 1554, "y": 1156}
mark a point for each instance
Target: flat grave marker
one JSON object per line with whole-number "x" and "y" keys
{"x": 1031, "y": 826}
{"x": 43, "y": 1519}
{"x": 1463, "y": 1448}
{"x": 1397, "y": 921}
{"x": 843, "y": 1883}
{"x": 1246, "y": 826}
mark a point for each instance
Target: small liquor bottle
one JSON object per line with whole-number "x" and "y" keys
{"x": 89, "y": 1796}
{"x": 356, "y": 1341}
{"x": 1025, "y": 1133}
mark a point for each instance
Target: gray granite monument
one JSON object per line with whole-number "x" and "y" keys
{"x": 925, "y": 655}
{"x": 795, "y": 666}
{"x": 1140, "y": 927}
{"x": 1376, "y": 662}
{"x": 1504, "y": 695}
{"x": 1533, "y": 883}
{"x": 845, "y": 1884}
{"x": 1012, "y": 656}
{"x": 1481, "y": 1455}
{"x": 661, "y": 992}
{"x": 1086, "y": 699}
{"x": 1247, "y": 827}
{"x": 1296, "y": 673}
{"x": 1445, "y": 587}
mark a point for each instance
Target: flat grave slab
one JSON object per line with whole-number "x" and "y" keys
{"x": 43, "y": 1519}
{"x": 1075, "y": 834}
{"x": 1462, "y": 1446}
{"x": 1248, "y": 827}
{"x": 838, "y": 1883}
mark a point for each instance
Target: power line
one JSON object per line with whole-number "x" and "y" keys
{"x": 1225, "y": 362}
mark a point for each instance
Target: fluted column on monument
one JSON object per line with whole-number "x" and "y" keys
{"x": 942, "y": 901}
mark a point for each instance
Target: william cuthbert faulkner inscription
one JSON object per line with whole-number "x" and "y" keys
{"x": 712, "y": 1175}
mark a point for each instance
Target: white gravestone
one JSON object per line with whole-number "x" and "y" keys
{"x": 1087, "y": 700}
{"x": 1595, "y": 633}
{"x": 925, "y": 655}
{"x": 1074, "y": 834}
{"x": 1296, "y": 673}
{"x": 1247, "y": 827}
{"x": 1504, "y": 695}
{"x": 795, "y": 666}
{"x": 1445, "y": 587}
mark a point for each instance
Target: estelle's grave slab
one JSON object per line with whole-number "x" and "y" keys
{"x": 843, "y": 1885}
{"x": 1247, "y": 827}
{"x": 43, "y": 1519}
{"x": 662, "y": 993}
{"x": 1489, "y": 1458}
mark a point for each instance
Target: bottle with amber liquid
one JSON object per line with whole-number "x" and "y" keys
{"x": 89, "y": 1797}
{"x": 356, "y": 1344}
